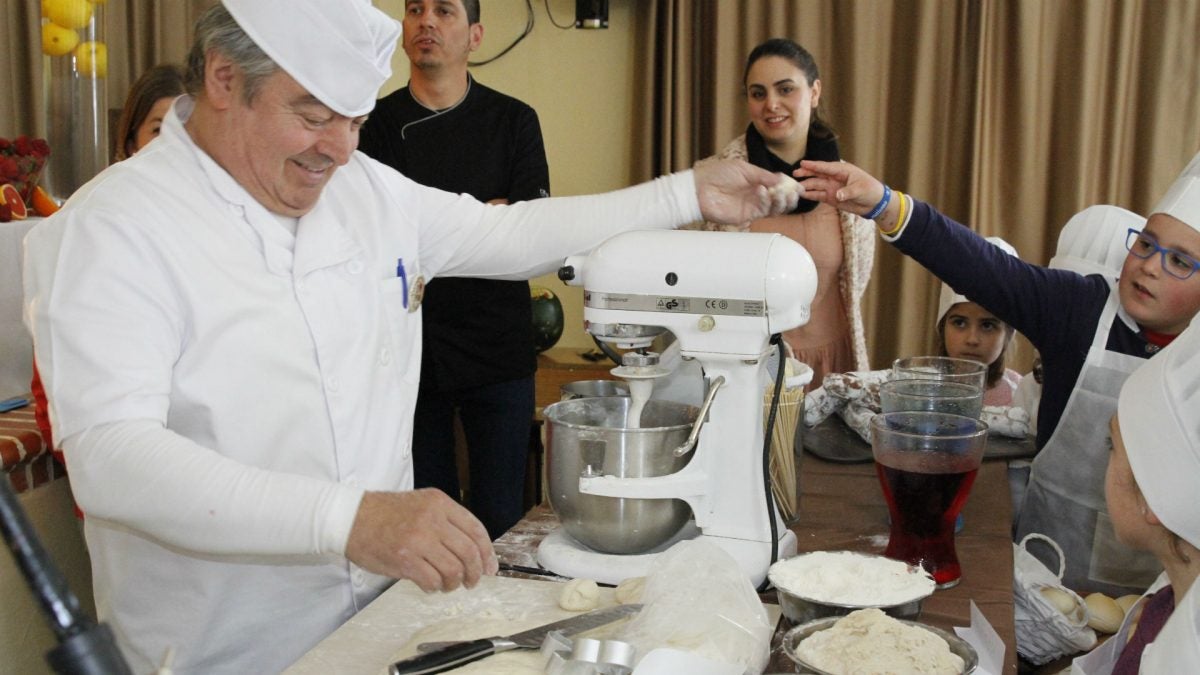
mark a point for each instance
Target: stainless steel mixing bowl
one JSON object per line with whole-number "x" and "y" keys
{"x": 588, "y": 436}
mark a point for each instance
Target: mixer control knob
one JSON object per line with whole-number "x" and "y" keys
{"x": 566, "y": 273}
{"x": 706, "y": 323}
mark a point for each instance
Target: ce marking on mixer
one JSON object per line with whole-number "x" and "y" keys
{"x": 716, "y": 304}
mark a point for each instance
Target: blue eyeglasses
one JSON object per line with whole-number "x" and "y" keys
{"x": 1178, "y": 265}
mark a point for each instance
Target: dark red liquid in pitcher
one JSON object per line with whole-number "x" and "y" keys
{"x": 923, "y": 508}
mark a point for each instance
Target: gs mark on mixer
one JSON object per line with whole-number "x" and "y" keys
{"x": 673, "y": 305}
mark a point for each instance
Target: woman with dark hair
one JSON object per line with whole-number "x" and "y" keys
{"x": 147, "y": 103}
{"x": 783, "y": 92}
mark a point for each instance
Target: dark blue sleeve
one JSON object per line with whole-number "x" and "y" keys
{"x": 1056, "y": 309}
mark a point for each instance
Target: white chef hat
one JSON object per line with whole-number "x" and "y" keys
{"x": 339, "y": 50}
{"x": 1176, "y": 648}
{"x": 949, "y": 298}
{"x": 1182, "y": 200}
{"x": 1093, "y": 240}
{"x": 1159, "y": 414}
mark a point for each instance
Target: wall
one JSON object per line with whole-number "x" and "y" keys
{"x": 580, "y": 82}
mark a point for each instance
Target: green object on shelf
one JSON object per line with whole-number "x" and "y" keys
{"x": 547, "y": 318}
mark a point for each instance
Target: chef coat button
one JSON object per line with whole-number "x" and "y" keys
{"x": 358, "y": 577}
{"x": 332, "y": 384}
{"x": 354, "y": 267}
{"x": 300, "y": 285}
{"x": 385, "y": 357}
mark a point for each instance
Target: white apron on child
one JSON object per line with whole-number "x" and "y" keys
{"x": 1065, "y": 496}
{"x": 1102, "y": 659}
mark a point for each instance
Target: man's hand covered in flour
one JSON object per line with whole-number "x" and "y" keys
{"x": 423, "y": 536}
{"x": 734, "y": 191}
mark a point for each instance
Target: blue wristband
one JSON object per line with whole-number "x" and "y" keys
{"x": 883, "y": 204}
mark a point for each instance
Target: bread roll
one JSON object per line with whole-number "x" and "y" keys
{"x": 1061, "y": 600}
{"x": 1127, "y": 601}
{"x": 1104, "y": 614}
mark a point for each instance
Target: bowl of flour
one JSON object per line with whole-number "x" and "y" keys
{"x": 835, "y": 583}
{"x": 869, "y": 642}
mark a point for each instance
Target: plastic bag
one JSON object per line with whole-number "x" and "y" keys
{"x": 1003, "y": 420}
{"x": 1043, "y": 632}
{"x": 697, "y": 599}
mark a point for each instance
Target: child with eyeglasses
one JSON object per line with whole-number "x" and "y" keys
{"x": 1092, "y": 332}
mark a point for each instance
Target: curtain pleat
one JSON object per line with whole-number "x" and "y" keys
{"x": 1008, "y": 115}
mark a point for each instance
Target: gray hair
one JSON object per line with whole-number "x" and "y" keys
{"x": 217, "y": 30}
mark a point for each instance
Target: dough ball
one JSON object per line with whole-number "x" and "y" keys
{"x": 1127, "y": 601}
{"x": 630, "y": 590}
{"x": 1104, "y": 614}
{"x": 579, "y": 595}
{"x": 1059, "y": 599}
{"x": 786, "y": 186}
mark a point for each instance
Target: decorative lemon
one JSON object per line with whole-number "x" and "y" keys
{"x": 68, "y": 13}
{"x": 58, "y": 41}
{"x": 91, "y": 59}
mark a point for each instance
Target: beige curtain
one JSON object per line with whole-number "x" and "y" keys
{"x": 1008, "y": 115}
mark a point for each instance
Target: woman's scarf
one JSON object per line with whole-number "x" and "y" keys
{"x": 824, "y": 149}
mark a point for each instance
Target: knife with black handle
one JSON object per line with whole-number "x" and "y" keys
{"x": 462, "y": 653}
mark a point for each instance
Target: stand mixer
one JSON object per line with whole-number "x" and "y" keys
{"x": 723, "y": 295}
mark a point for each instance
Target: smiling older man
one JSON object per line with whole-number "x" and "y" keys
{"x": 229, "y": 328}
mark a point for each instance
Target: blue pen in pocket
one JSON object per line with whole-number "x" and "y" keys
{"x": 403, "y": 280}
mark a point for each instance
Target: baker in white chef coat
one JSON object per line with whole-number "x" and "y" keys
{"x": 229, "y": 328}
{"x": 1151, "y": 484}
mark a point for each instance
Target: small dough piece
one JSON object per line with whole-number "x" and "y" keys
{"x": 1104, "y": 614}
{"x": 786, "y": 186}
{"x": 630, "y": 590}
{"x": 579, "y": 595}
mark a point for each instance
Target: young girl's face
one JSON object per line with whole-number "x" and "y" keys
{"x": 1155, "y": 299}
{"x": 972, "y": 332}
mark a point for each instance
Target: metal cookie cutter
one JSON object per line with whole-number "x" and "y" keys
{"x": 587, "y": 656}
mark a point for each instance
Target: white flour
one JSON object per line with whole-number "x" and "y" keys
{"x": 845, "y": 578}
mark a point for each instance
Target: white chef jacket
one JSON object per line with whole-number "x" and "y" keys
{"x": 227, "y": 390}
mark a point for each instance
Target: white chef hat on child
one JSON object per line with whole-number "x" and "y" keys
{"x": 339, "y": 50}
{"x": 949, "y": 298}
{"x": 1093, "y": 240}
{"x": 1182, "y": 200}
{"x": 1159, "y": 414}
{"x": 1175, "y": 649}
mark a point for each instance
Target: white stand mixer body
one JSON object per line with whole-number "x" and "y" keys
{"x": 722, "y": 294}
